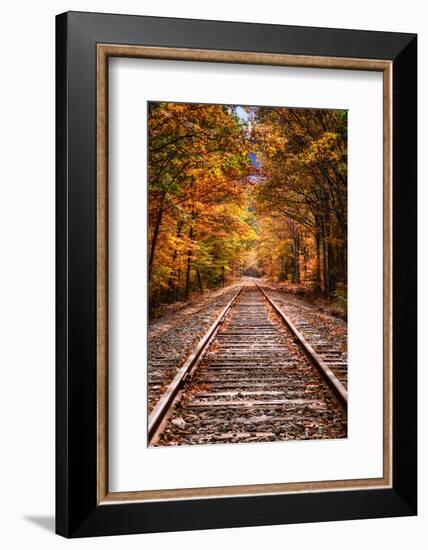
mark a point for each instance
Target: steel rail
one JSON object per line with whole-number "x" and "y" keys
{"x": 336, "y": 386}
{"x": 189, "y": 366}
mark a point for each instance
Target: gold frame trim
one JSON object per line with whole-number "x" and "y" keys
{"x": 104, "y": 51}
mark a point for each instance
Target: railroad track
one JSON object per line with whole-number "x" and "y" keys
{"x": 312, "y": 327}
{"x": 252, "y": 377}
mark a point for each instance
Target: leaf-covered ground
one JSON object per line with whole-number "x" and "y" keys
{"x": 181, "y": 326}
{"x": 254, "y": 385}
{"x": 176, "y": 332}
{"x": 334, "y": 330}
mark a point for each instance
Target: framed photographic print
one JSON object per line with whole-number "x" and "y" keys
{"x": 236, "y": 274}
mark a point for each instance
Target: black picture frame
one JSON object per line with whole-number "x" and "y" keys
{"x": 77, "y": 511}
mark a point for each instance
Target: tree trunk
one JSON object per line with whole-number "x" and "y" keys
{"x": 198, "y": 273}
{"x": 331, "y": 261}
{"x": 296, "y": 252}
{"x": 317, "y": 285}
{"x": 177, "y": 292}
{"x": 305, "y": 261}
{"x": 189, "y": 263}
{"x": 172, "y": 282}
{"x": 318, "y": 267}
{"x": 325, "y": 261}
{"x": 331, "y": 267}
{"x": 156, "y": 233}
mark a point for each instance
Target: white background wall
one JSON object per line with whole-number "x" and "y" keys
{"x": 27, "y": 88}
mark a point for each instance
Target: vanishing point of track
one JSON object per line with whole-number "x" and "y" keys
{"x": 254, "y": 377}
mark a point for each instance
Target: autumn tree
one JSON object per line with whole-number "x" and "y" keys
{"x": 303, "y": 189}
{"x": 198, "y": 168}
{"x": 262, "y": 193}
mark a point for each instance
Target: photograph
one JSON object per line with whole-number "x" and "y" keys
{"x": 235, "y": 273}
{"x": 247, "y": 259}
{"x": 212, "y": 302}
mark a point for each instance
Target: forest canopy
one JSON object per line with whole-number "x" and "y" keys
{"x": 237, "y": 190}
